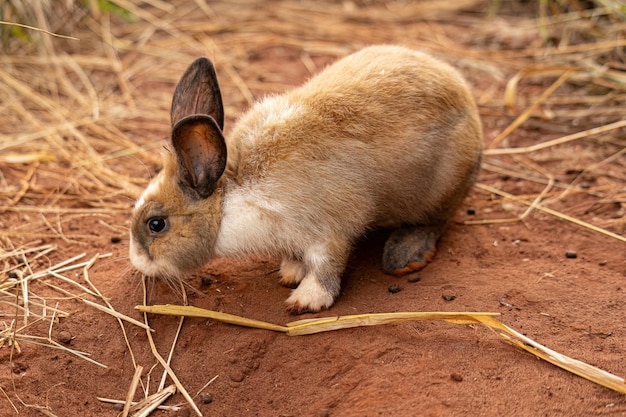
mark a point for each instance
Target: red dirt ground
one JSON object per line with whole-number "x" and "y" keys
{"x": 574, "y": 306}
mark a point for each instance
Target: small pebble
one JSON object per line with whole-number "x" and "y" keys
{"x": 206, "y": 281}
{"x": 206, "y": 398}
{"x": 449, "y": 297}
{"x": 65, "y": 337}
{"x": 237, "y": 376}
{"x": 456, "y": 377}
{"x": 13, "y": 275}
{"x": 471, "y": 211}
{"x": 571, "y": 254}
{"x": 394, "y": 288}
{"x": 116, "y": 239}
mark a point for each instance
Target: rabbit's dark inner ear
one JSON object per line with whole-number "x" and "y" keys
{"x": 198, "y": 92}
{"x": 201, "y": 153}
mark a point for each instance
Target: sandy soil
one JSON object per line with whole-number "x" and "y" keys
{"x": 575, "y": 306}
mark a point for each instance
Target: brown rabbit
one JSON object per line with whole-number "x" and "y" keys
{"x": 385, "y": 138}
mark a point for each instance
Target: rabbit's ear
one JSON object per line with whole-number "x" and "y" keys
{"x": 200, "y": 153}
{"x": 198, "y": 92}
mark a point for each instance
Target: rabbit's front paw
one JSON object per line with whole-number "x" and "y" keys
{"x": 310, "y": 297}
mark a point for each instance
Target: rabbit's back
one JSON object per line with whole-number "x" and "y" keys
{"x": 384, "y": 137}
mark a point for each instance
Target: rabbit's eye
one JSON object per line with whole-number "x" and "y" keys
{"x": 157, "y": 225}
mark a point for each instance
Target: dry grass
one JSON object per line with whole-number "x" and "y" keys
{"x": 80, "y": 120}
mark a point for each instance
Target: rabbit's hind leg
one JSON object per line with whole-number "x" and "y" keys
{"x": 411, "y": 248}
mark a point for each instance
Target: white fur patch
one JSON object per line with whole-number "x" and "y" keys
{"x": 151, "y": 190}
{"x": 316, "y": 256}
{"x": 245, "y": 225}
{"x": 278, "y": 110}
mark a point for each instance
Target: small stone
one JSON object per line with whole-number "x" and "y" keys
{"x": 65, "y": 337}
{"x": 116, "y": 239}
{"x": 206, "y": 281}
{"x": 471, "y": 211}
{"x": 13, "y": 275}
{"x": 456, "y": 377}
{"x": 394, "y": 288}
{"x": 237, "y": 376}
{"x": 206, "y": 398}
{"x": 449, "y": 297}
{"x": 571, "y": 254}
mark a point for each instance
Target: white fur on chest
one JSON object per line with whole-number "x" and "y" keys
{"x": 254, "y": 219}
{"x": 250, "y": 223}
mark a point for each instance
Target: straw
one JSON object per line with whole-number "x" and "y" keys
{"x": 166, "y": 365}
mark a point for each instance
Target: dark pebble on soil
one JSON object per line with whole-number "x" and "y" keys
{"x": 206, "y": 281}
{"x": 394, "y": 288}
{"x": 456, "y": 377}
{"x": 13, "y": 275}
{"x": 206, "y": 398}
{"x": 116, "y": 239}
{"x": 571, "y": 254}
{"x": 65, "y": 337}
{"x": 471, "y": 211}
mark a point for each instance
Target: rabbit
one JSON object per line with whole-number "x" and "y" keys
{"x": 385, "y": 138}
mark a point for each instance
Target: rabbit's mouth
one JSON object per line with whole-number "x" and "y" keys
{"x": 148, "y": 265}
